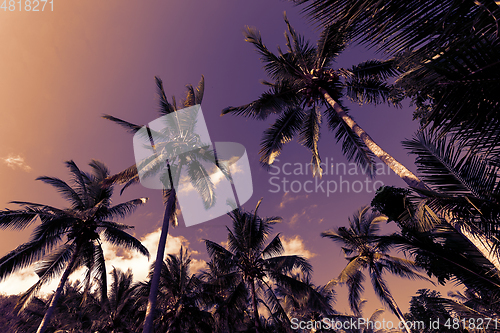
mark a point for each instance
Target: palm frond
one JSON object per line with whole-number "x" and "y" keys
{"x": 47, "y": 269}
{"x": 444, "y": 166}
{"x": 369, "y": 91}
{"x": 132, "y": 128}
{"x": 286, "y": 264}
{"x": 309, "y": 137}
{"x": 332, "y": 41}
{"x": 200, "y": 179}
{"x": 274, "y": 248}
{"x": 165, "y": 106}
{"x": 21, "y": 257}
{"x": 380, "y": 69}
{"x": 64, "y": 189}
{"x": 123, "y": 239}
{"x": 281, "y": 132}
{"x": 124, "y": 209}
{"x": 355, "y": 286}
{"x": 273, "y": 101}
{"x": 200, "y": 90}
{"x": 276, "y": 67}
{"x": 353, "y": 147}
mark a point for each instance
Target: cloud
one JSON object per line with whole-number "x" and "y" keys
{"x": 125, "y": 259}
{"x": 16, "y": 161}
{"x": 295, "y": 246}
{"x": 19, "y": 282}
{"x": 288, "y": 198}
{"x": 302, "y": 216}
{"x": 296, "y": 217}
{"x": 115, "y": 257}
{"x": 197, "y": 265}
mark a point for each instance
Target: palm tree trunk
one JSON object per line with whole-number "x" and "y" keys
{"x": 155, "y": 281}
{"x": 389, "y": 299}
{"x": 255, "y": 308}
{"x": 55, "y": 299}
{"x": 398, "y": 168}
{"x": 476, "y": 237}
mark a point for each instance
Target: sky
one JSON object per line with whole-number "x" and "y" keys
{"x": 61, "y": 70}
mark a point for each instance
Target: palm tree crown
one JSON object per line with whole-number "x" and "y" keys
{"x": 171, "y": 151}
{"x": 365, "y": 250}
{"x": 181, "y": 303}
{"x": 249, "y": 265}
{"x": 70, "y": 238}
{"x": 302, "y": 78}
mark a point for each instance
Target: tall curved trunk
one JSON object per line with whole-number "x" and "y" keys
{"x": 398, "y": 168}
{"x": 255, "y": 306}
{"x": 390, "y": 300}
{"x": 155, "y": 281}
{"x": 475, "y": 236}
{"x": 55, "y": 299}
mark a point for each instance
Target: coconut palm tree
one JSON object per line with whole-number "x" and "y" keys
{"x": 69, "y": 238}
{"x": 314, "y": 305}
{"x": 248, "y": 264}
{"x": 466, "y": 185}
{"x": 304, "y": 83}
{"x": 119, "y": 315}
{"x": 73, "y": 313}
{"x": 170, "y": 148}
{"x": 181, "y": 300}
{"x": 451, "y": 71}
{"x": 364, "y": 250}
{"x": 229, "y": 304}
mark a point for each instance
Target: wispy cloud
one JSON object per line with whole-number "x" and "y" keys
{"x": 16, "y": 162}
{"x": 287, "y": 197}
{"x": 303, "y": 216}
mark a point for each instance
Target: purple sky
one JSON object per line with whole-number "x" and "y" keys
{"x": 62, "y": 70}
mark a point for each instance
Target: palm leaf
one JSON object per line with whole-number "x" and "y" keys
{"x": 123, "y": 239}
{"x": 353, "y": 147}
{"x": 281, "y": 132}
{"x": 309, "y": 137}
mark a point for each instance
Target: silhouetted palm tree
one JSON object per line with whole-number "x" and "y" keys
{"x": 447, "y": 53}
{"x": 316, "y": 304}
{"x": 69, "y": 238}
{"x": 363, "y": 249}
{"x": 181, "y": 303}
{"x": 304, "y": 83}
{"x": 178, "y": 136}
{"x": 248, "y": 265}
{"x": 119, "y": 315}
{"x": 73, "y": 312}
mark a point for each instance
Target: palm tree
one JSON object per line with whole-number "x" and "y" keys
{"x": 69, "y": 238}
{"x": 364, "y": 250}
{"x": 451, "y": 72}
{"x": 314, "y": 305}
{"x": 181, "y": 299}
{"x": 428, "y": 304}
{"x": 73, "y": 313}
{"x": 119, "y": 315}
{"x": 304, "y": 82}
{"x": 170, "y": 148}
{"x": 249, "y": 265}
